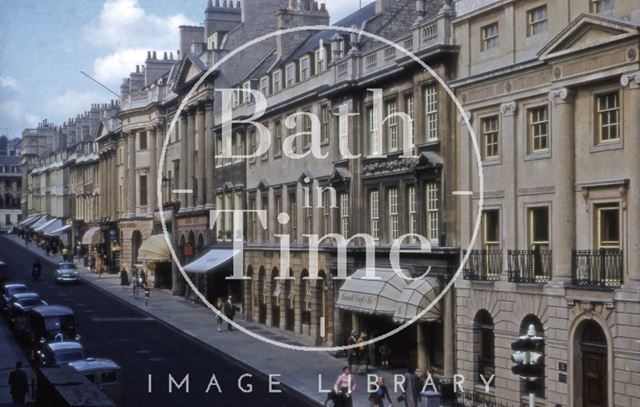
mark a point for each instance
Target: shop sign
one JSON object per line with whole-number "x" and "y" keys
{"x": 112, "y": 235}
{"x": 357, "y": 300}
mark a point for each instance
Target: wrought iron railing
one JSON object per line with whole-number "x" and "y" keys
{"x": 483, "y": 265}
{"x": 529, "y": 266}
{"x": 597, "y": 268}
{"x": 477, "y": 399}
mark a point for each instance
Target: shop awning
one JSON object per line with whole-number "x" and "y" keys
{"x": 42, "y": 219}
{"x": 371, "y": 296}
{"x": 415, "y": 298}
{"x": 56, "y": 224}
{"x": 28, "y": 221}
{"x": 154, "y": 249}
{"x": 211, "y": 261}
{"x": 92, "y": 236}
{"x": 59, "y": 231}
{"x": 43, "y": 226}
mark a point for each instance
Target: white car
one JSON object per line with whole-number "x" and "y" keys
{"x": 66, "y": 273}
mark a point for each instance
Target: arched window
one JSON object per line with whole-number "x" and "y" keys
{"x": 591, "y": 365}
{"x": 200, "y": 245}
{"x": 536, "y": 387}
{"x": 485, "y": 343}
{"x": 136, "y": 242}
{"x": 305, "y": 297}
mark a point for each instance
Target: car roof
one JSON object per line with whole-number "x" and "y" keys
{"x": 94, "y": 364}
{"x": 52, "y": 310}
{"x": 28, "y": 294}
{"x": 11, "y": 285}
{"x": 67, "y": 345}
{"x": 66, "y": 263}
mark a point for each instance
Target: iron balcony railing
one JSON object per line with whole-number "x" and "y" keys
{"x": 483, "y": 265}
{"x": 529, "y": 266}
{"x": 597, "y": 268}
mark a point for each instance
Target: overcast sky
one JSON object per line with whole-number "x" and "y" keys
{"x": 45, "y": 44}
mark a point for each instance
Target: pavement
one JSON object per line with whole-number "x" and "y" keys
{"x": 10, "y": 353}
{"x": 309, "y": 373}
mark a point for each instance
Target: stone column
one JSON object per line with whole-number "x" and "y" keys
{"x": 202, "y": 156}
{"x": 152, "y": 182}
{"x": 421, "y": 352}
{"x": 467, "y": 166}
{"x": 114, "y": 185}
{"x": 509, "y": 156}
{"x": 209, "y": 160}
{"x": 131, "y": 183}
{"x": 449, "y": 334}
{"x": 631, "y": 122}
{"x": 184, "y": 158}
{"x": 191, "y": 165}
{"x": 563, "y": 216}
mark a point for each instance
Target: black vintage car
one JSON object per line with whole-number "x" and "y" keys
{"x": 51, "y": 323}
{"x": 19, "y": 307}
{"x": 4, "y": 273}
{"x": 8, "y": 290}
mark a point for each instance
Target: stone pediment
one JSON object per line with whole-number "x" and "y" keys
{"x": 191, "y": 67}
{"x": 586, "y": 32}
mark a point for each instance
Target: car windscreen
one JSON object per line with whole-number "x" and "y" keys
{"x": 67, "y": 266}
{"x": 58, "y": 323}
{"x": 30, "y": 302}
{"x": 15, "y": 290}
{"x": 67, "y": 356}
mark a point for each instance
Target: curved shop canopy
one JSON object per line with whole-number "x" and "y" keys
{"x": 211, "y": 261}
{"x": 371, "y": 296}
{"x": 55, "y": 223}
{"x": 154, "y": 249}
{"x": 415, "y": 298}
{"x": 92, "y": 236}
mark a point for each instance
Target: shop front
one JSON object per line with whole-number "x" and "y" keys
{"x": 156, "y": 258}
{"x": 377, "y": 302}
{"x": 209, "y": 272}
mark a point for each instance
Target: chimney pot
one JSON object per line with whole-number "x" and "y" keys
{"x": 323, "y": 7}
{"x": 165, "y": 55}
{"x": 224, "y": 4}
{"x": 238, "y": 4}
{"x": 154, "y": 55}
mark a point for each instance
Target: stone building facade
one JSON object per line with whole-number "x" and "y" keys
{"x": 10, "y": 183}
{"x": 550, "y": 90}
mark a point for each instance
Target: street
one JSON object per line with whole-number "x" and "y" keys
{"x": 144, "y": 346}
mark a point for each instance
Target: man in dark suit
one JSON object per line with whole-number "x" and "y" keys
{"x": 18, "y": 384}
{"x": 229, "y": 312}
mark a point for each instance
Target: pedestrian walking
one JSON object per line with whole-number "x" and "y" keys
{"x": 220, "y": 307}
{"x": 65, "y": 254}
{"x": 384, "y": 355}
{"x": 147, "y": 293}
{"x": 18, "y": 384}
{"x": 412, "y": 388}
{"x": 379, "y": 392}
{"x": 352, "y": 353}
{"x": 229, "y": 312}
{"x": 124, "y": 278}
{"x": 363, "y": 355}
{"x": 136, "y": 284}
{"x": 344, "y": 387}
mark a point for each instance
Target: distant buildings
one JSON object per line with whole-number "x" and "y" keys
{"x": 10, "y": 183}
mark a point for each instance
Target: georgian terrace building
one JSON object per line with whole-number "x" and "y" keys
{"x": 552, "y": 92}
{"x": 385, "y": 198}
{"x": 10, "y": 183}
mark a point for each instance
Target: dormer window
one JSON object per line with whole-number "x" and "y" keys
{"x": 236, "y": 98}
{"x": 213, "y": 42}
{"x": 276, "y": 79}
{"x": 321, "y": 56}
{"x": 305, "y": 68}
{"x": 246, "y": 95}
{"x": 264, "y": 86}
{"x": 291, "y": 74}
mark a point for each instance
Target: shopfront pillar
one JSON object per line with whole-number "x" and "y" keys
{"x": 202, "y": 156}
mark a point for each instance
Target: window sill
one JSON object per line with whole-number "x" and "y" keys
{"x": 491, "y": 162}
{"x": 538, "y": 155}
{"x": 607, "y": 146}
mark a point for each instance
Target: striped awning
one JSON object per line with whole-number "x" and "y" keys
{"x": 211, "y": 261}
{"x": 42, "y": 219}
{"x": 154, "y": 249}
{"x": 59, "y": 231}
{"x": 92, "y": 236}
{"x": 43, "y": 226}
{"x": 28, "y": 221}
{"x": 372, "y": 296}
{"x": 415, "y": 298}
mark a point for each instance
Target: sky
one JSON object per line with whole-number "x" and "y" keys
{"x": 45, "y": 44}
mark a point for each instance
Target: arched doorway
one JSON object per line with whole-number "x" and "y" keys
{"x": 276, "y": 296}
{"x": 136, "y": 242}
{"x": 591, "y": 365}
{"x": 484, "y": 346}
{"x": 537, "y": 386}
{"x": 290, "y": 304}
{"x": 249, "y": 295}
{"x": 322, "y": 299}
{"x": 200, "y": 246}
{"x": 305, "y": 302}
{"x": 262, "y": 293}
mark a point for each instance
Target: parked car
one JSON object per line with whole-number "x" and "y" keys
{"x": 8, "y": 291}
{"x": 18, "y": 312}
{"x": 51, "y": 323}
{"x": 4, "y": 273}
{"x": 105, "y": 373}
{"x": 66, "y": 273}
{"x": 59, "y": 353}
